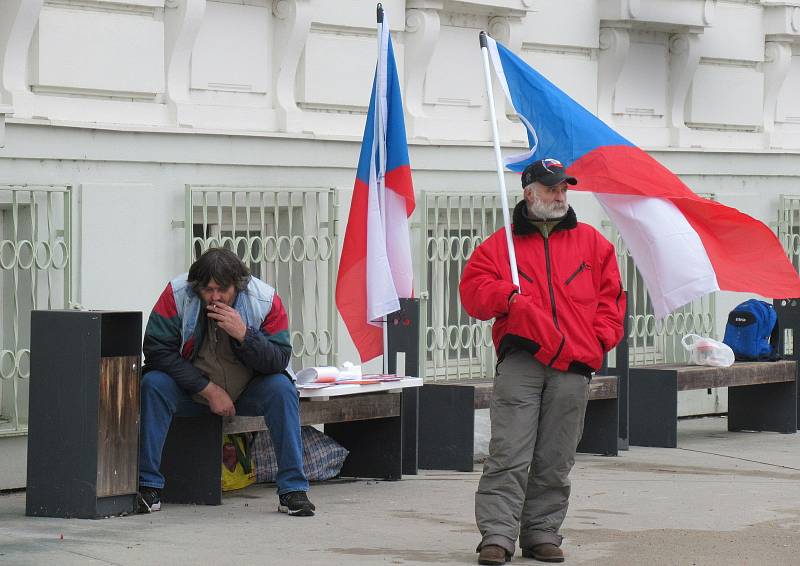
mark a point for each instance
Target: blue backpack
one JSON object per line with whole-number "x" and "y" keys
{"x": 752, "y": 331}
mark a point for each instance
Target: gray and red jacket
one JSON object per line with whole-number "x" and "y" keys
{"x": 570, "y": 307}
{"x": 176, "y": 328}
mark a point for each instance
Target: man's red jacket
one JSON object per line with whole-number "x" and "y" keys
{"x": 570, "y": 306}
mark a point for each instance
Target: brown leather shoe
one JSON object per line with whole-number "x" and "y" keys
{"x": 546, "y": 552}
{"x": 493, "y": 555}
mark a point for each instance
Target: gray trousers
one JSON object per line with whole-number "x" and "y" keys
{"x": 537, "y": 420}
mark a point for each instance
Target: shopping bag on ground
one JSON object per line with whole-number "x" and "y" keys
{"x": 238, "y": 470}
{"x": 707, "y": 351}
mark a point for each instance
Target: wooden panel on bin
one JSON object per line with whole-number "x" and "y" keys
{"x": 118, "y": 425}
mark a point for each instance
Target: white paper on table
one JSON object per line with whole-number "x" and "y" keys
{"x": 310, "y": 375}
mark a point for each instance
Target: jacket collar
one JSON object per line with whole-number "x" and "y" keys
{"x": 523, "y": 226}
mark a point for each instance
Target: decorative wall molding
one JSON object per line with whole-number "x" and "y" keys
{"x": 293, "y": 24}
{"x": 423, "y": 27}
{"x": 18, "y": 19}
{"x": 660, "y": 15}
{"x": 777, "y": 64}
{"x": 181, "y": 27}
{"x": 615, "y": 46}
{"x": 684, "y": 49}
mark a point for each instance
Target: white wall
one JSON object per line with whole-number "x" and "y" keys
{"x": 128, "y": 101}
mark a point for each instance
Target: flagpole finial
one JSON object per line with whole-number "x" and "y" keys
{"x": 380, "y": 13}
{"x": 482, "y": 38}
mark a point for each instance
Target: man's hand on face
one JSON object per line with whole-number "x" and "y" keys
{"x": 218, "y": 399}
{"x": 228, "y": 320}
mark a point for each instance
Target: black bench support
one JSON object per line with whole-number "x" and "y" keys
{"x": 192, "y": 459}
{"x": 788, "y": 311}
{"x": 403, "y": 336}
{"x": 768, "y": 406}
{"x": 447, "y": 427}
{"x": 600, "y": 431}
{"x": 374, "y": 445}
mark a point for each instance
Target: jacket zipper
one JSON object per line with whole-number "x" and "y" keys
{"x": 525, "y": 277}
{"x": 578, "y": 271}
{"x": 552, "y": 299}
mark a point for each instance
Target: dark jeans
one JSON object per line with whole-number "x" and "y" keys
{"x": 272, "y": 396}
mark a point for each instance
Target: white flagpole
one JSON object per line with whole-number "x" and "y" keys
{"x": 379, "y": 141}
{"x": 499, "y": 160}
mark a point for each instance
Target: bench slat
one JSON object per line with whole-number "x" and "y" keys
{"x": 740, "y": 373}
{"x": 335, "y": 410}
{"x": 601, "y": 387}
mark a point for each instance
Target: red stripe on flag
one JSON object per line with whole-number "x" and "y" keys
{"x": 745, "y": 253}
{"x": 399, "y": 180}
{"x": 351, "y": 281}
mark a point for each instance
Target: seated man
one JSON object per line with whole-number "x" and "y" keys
{"x": 218, "y": 340}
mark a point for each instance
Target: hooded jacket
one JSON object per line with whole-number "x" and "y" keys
{"x": 177, "y": 327}
{"x": 571, "y": 306}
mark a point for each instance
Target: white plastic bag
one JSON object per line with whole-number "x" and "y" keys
{"x": 707, "y": 351}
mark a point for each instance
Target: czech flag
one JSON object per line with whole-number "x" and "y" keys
{"x": 684, "y": 245}
{"x": 375, "y": 266}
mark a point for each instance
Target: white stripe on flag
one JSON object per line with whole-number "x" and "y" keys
{"x": 382, "y": 297}
{"x": 669, "y": 253}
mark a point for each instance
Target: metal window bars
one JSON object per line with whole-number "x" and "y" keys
{"x": 35, "y": 273}
{"x": 287, "y": 237}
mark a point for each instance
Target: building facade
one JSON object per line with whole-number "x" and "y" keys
{"x": 135, "y": 133}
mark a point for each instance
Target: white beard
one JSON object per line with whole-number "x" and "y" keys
{"x": 545, "y": 211}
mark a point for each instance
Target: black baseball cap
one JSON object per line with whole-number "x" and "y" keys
{"x": 549, "y": 172}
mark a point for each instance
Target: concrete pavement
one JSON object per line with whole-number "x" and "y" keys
{"x": 719, "y": 499}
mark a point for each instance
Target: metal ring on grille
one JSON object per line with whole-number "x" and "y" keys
{"x": 466, "y": 248}
{"x": 209, "y": 243}
{"x": 430, "y": 249}
{"x": 430, "y": 339}
{"x": 669, "y": 324}
{"x": 326, "y": 251}
{"x": 26, "y": 355}
{"x": 297, "y": 350}
{"x": 325, "y": 342}
{"x": 650, "y": 325}
{"x": 5, "y": 371}
{"x": 7, "y": 247}
{"x": 453, "y": 246}
{"x": 241, "y": 241}
{"x": 466, "y": 339}
{"x": 284, "y": 243}
{"x": 477, "y": 335}
{"x": 441, "y": 249}
{"x": 680, "y": 323}
{"x": 256, "y": 257}
{"x": 29, "y": 245}
{"x": 310, "y": 343}
{"x": 48, "y": 254}
{"x": 270, "y": 245}
{"x": 452, "y": 336}
{"x": 311, "y": 243}
{"x": 639, "y": 326}
{"x": 298, "y": 253}
{"x": 62, "y": 245}
{"x": 227, "y": 243}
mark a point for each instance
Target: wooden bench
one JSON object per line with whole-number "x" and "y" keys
{"x": 762, "y": 396}
{"x": 369, "y": 425}
{"x": 447, "y": 421}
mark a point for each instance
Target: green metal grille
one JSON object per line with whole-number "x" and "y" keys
{"x": 35, "y": 273}
{"x": 287, "y": 238}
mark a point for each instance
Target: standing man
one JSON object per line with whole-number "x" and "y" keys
{"x": 218, "y": 340}
{"x": 550, "y": 335}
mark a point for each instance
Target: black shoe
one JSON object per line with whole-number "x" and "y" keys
{"x": 149, "y": 499}
{"x": 296, "y": 503}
